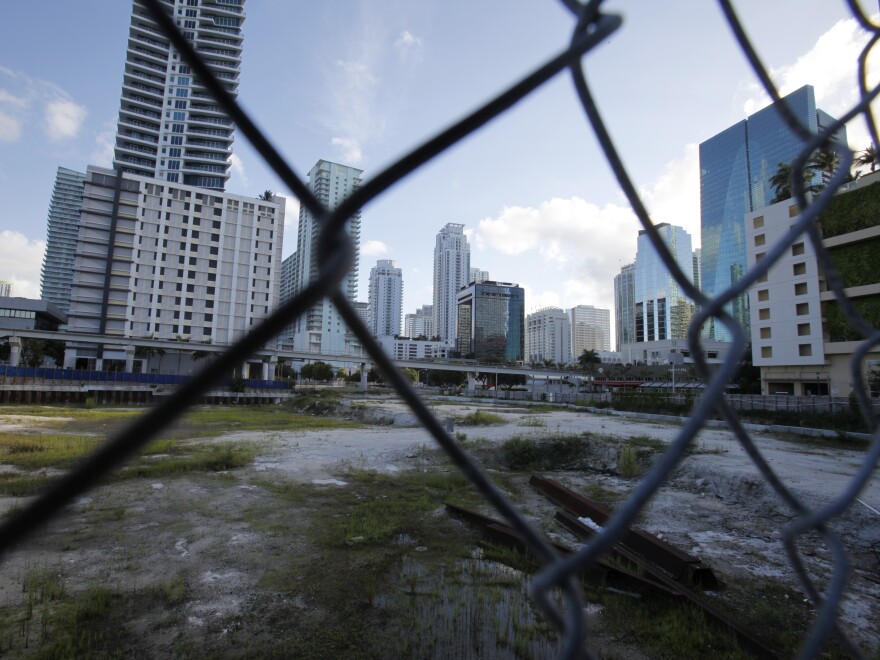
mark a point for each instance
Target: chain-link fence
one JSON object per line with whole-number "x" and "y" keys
{"x": 591, "y": 27}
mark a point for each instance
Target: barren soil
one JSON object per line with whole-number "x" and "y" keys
{"x": 216, "y": 528}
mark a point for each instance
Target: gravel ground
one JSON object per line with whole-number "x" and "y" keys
{"x": 715, "y": 506}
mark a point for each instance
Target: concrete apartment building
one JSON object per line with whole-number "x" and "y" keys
{"x": 168, "y": 261}
{"x": 62, "y": 229}
{"x": 170, "y": 127}
{"x": 321, "y": 328}
{"x": 548, "y": 336}
{"x": 800, "y": 338}
{"x": 590, "y": 329}
{"x": 386, "y": 298}
{"x": 452, "y": 269}
{"x": 421, "y": 323}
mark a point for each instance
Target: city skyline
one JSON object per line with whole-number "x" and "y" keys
{"x": 527, "y": 222}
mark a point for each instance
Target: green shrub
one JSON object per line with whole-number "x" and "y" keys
{"x": 627, "y": 463}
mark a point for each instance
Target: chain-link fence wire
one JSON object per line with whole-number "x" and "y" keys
{"x": 336, "y": 255}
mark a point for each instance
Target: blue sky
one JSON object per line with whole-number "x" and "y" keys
{"x": 363, "y": 82}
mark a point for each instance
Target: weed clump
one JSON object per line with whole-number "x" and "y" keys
{"x": 480, "y": 418}
{"x": 552, "y": 452}
{"x": 628, "y": 464}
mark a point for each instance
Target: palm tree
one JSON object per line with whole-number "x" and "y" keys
{"x": 781, "y": 182}
{"x": 869, "y": 157}
{"x": 823, "y": 161}
{"x": 267, "y": 195}
{"x": 588, "y": 358}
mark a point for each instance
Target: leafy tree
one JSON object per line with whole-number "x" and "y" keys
{"x": 824, "y": 161}
{"x": 267, "y": 195}
{"x": 411, "y": 374}
{"x": 869, "y": 157}
{"x": 35, "y": 351}
{"x": 588, "y": 358}
{"x": 443, "y": 378}
{"x": 319, "y": 371}
{"x": 341, "y": 374}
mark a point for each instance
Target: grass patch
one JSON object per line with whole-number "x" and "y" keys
{"x": 544, "y": 452}
{"x": 627, "y": 463}
{"x": 480, "y": 418}
{"x": 532, "y": 421}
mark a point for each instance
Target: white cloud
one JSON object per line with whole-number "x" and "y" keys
{"x": 9, "y": 98}
{"x": 291, "y": 211}
{"x": 538, "y": 300}
{"x": 25, "y": 98}
{"x": 63, "y": 119}
{"x": 675, "y": 196}
{"x": 21, "y": 260}
{"x": 374, "y": 249}
{"x": 575, "y": 239}
{"x": 105, "y": 141}
{"x": 237, "y": 166}
{"x": 349, "y": 150}
{"x": 408, "y": 47}
{"x": 10, "y": 128}
{"x": 831, "y": 67}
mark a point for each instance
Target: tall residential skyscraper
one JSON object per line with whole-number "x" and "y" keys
{"x": 625, "y": 305}
{"x": 321, "y": 329}
{"x": 590, "y": 329}
{"x": 61, "y": 232}
{"x": 735, "y": 170}
{"x": 452, "y": 266}
{"x": 170, "y": 127}
{"x": 5, "y": 289}
{"x": 548, "y": 336}
{"x": 386, "y": 298}
{"x": 662, "y": 311}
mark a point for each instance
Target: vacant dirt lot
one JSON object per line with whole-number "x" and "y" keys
{"x": 195, "y": 560}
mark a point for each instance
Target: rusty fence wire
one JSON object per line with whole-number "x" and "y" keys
{"x": 336, "y": 254}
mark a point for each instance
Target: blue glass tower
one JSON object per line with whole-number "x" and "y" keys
{"x": 735, "y": 170}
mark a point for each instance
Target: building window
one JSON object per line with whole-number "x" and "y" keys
{"x": 797, "y": 249}
{"x": 766, "y": 351}
{"x": 800, "y": 268}
{"x": 803, "y": 329}
{"x": 802, "y": 309}
{"x": 763, "y": 295}
{"x": 759, "y": 256}
{"x": 800, "y": 289}
{"x": 760, "y": 239}
{"x": 761, "y": 279}
{"x": 764, "y": 314}
{"x": 766, "y": 333}
{"x": 793, "y": 211}
{"x": 758, "y": 222}
{"x": 805, "y": 350}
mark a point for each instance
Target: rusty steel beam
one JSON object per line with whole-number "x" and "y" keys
{"x": 600, "y": 574}
{"x": 684, "y": 568}
{"x": 750, "y": 642}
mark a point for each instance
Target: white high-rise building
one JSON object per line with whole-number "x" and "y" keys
{"x": 477, "y": 275}
{"x": 5, "y": 289}
{"x": 61, "y": 232}
{"x": 548, "y": 336}
{"x": 386, "y": 298}
{"x": 321, "y": 328}
{"x": 452, "y": 269}
{"x": 167, "y": 261}
{"x": 420, "y": 324}
{"x": 169, "y": 126}
{"x": 590, "y": 329}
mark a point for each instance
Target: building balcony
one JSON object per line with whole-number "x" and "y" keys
{"x": 128, "y": 121}
{"x": 143, "y": 100}
{"x": 145, "y": 52}
{"x": 144, "y": 76}
{"x": 144, "y": 113}
{"x": 213, "y": 169}
{"x": 205, "y": 156}
{"x": 140, "y": 137}
{"x": 201, "y": 119}
{"x": 137, "y": 149}
{"x": 144, "y": 89}
{"x": 206, "y": 144}
{"x": 134, "y": 61}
